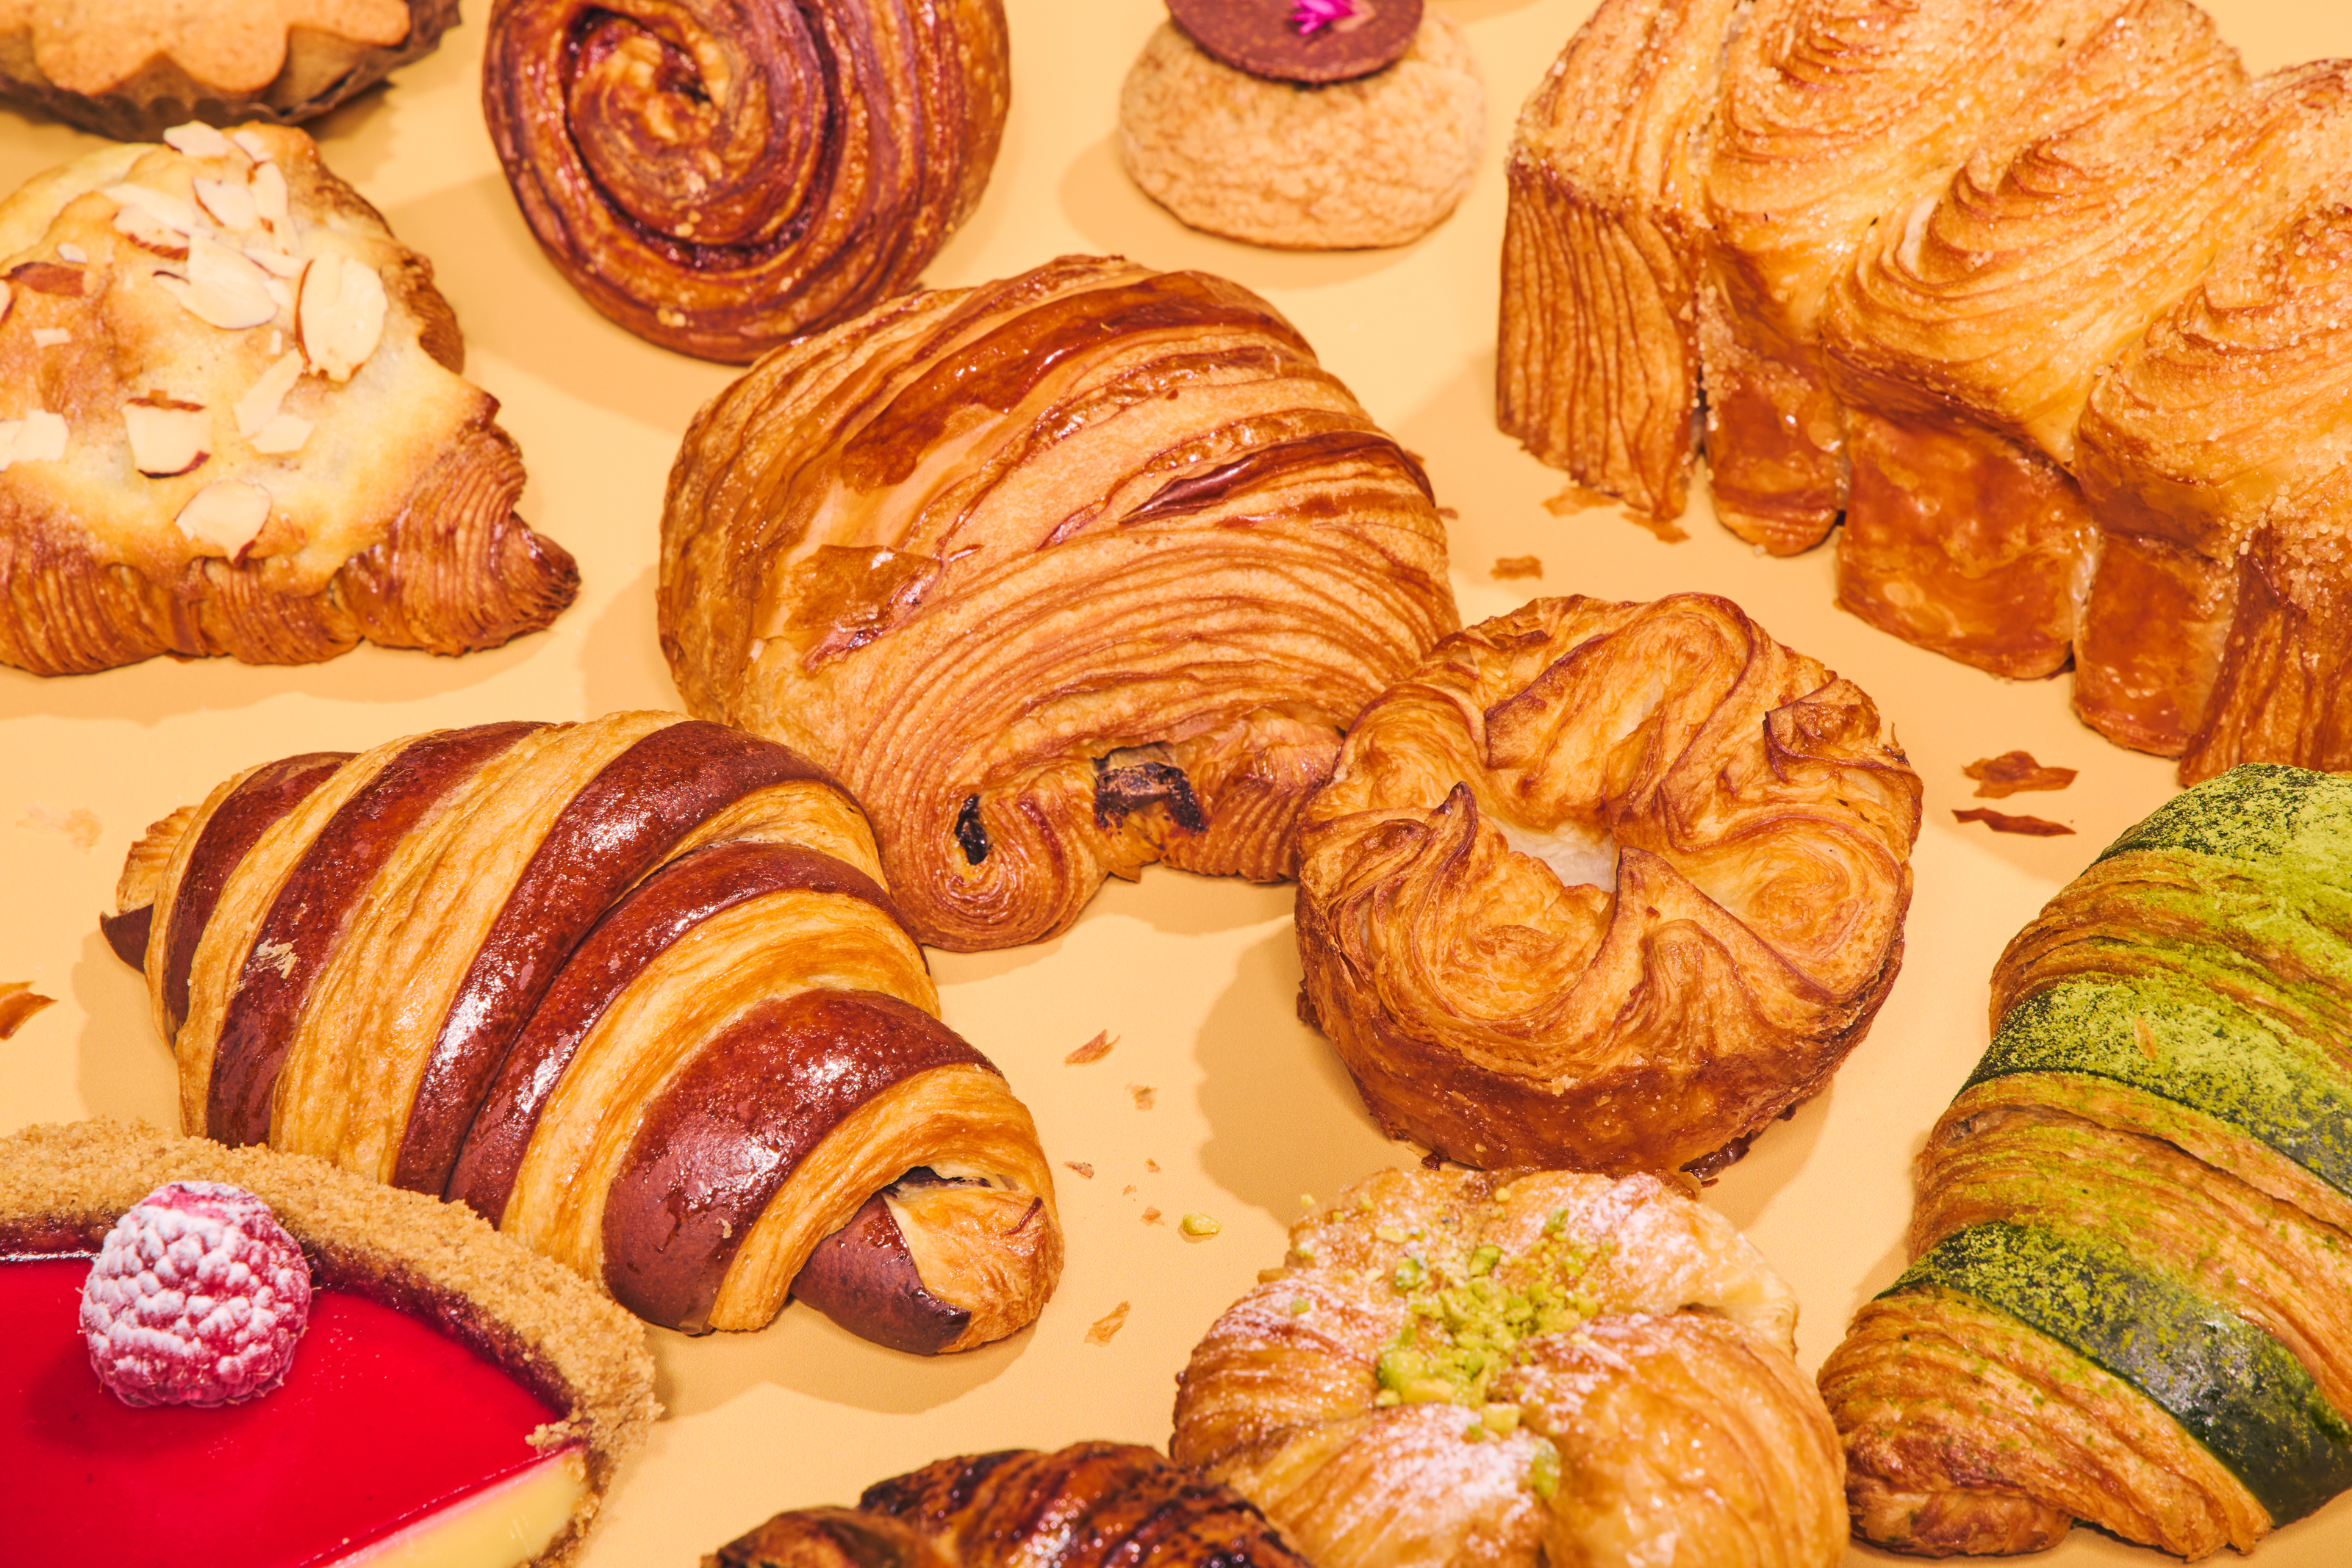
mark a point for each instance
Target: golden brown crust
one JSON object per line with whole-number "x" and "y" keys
{"x": 1596, "y": 369}
{"x": 721, "y": 179}
{"x": 133, "y": 69}
{"x": 195, "y": 353}
{"x": 65, "y": 1185}
{"x": 1063, "y": 575}
{"x": 1645, "y": 1409}
{"x": 1605, "y": 885}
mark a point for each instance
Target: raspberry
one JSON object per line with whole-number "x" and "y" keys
{"x": 196, "y": 1298}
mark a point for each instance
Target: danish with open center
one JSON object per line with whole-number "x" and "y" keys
{"x": 1607, "y": 886}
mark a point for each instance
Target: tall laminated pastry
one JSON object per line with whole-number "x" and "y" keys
{"x": 1605, "y": 886}
{"x": 233, "y": 423}
{"x": 128, "y": 69}
{"x": 1453, "y": 1369}
{"x": 633, "y": 989}
{"x": 1090, "y": 1505}
{"x": 1063, "y": 575}
{"x": 2126, "y": 1303}
{"x": 720, "y": 178}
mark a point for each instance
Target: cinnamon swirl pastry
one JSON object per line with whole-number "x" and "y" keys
{"x": 632, "y": 990}
{"x": 1458, "y": 1370}
{"x": 1607, "y": 886}
{"x": 720, "y": 178}
{"x": 1063, "y": 575}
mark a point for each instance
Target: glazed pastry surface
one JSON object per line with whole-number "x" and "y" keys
{"x": 721, "y": 178}
{"x": 1525, "y": 1368}
{"x": 1063, "y": 575}
{"x": 235, "y": 426}
{"x": 1602, "y": 885}
{"x": 2127, "y": 1300}
{"x": 632, "y": 990}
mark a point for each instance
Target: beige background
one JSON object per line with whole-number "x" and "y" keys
{"x": 1195, "y": 978}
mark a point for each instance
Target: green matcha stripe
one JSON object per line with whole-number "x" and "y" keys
{"x": 2197, "y": 1051}
{"x": 2290, "y": 821}
{"x": 2228, "y": 1384}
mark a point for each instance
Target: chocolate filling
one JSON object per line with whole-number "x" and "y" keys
{"x": 617, "y": 828}
{"x": 1122, "y": 790}
{"x": 720, "y": 1139}
{"x": 312, "y": 907}
{"x": 971, "y": 832}
{"x": 863, "y": 1278}
{"x": 652, "y": 917}
{"x": 127, "y": 934}
{"x": 268, "y": 792}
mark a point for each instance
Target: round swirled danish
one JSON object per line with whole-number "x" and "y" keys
{"x": 720, "y": 177}
{"x": 1063, "y": 575}
{"x": 1607, "y": 886}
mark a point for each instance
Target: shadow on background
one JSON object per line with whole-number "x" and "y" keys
{"x": 808, "y": 1352}
{"x": 126, "y": 1072}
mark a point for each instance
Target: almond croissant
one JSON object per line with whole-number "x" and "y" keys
{"x": 232, "y": 422}
{"x": 1608, "y": 887}
{"x": 1453, "y": 1368}
{"x": 1063, "y": 575}
{"x": 632, "y": 988}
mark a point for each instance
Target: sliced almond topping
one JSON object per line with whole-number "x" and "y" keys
{"x": 284, "y": 434}
{"x": 269, "y": 194}
{"x": 269, "y": 259}
{"x": 162, "y": 206}
{"x": 249, "y": 139}
{"x": 38, "y": 437}
{"x": 50, "y": 337}
{"x": 150, "y": 235}
{"x": 230, "y": 201}
{"x": 7, "y": 301}
{"x": 165, "y": 442}
{"x": 222, "y": 287}
{"x": 67, "y": 251}
{"x": 47, "y": 277}
{"x": 227, "y": 513}
{"x": 280, "y": 294}
{"x": 198, "y": 140}
{"x": 258, "y": 407}
{"x": 341, "y": 320}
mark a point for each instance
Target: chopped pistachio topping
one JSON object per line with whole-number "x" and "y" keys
{"x": 1482, "y": 1261}
{"x": 1543, "y": 1470}
{"x": 1198, "y": 1224}
{"x": 1465, "y": 1330}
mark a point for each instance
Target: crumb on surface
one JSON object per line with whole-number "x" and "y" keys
{"x": 2015, "y": 771}
{"x": 20, "y": 1001}
{"x": 1094, "y": 1049}
{"x": 1508, "y": 567}
{"x": 1151, "y": 1217}
{"x": 1081, "y": 1166}
{"x": 1109, "y": 1323}
{"x": 2002, "y": 822}
{"x": 1144, "y": 1094}
{"x": 78, "y": 827}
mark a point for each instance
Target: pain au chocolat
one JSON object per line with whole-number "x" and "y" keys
{"x": 720, "y": 178}
{"x": 633, "y": 989}
{"x": 1999, "y": 286}
{"x": 1090, "y": 1505}
{"x": 455, "y": 1399}
{"x": 1605, "y": 886}
{"x": 232, "y": 422}
{"x": 1452, "y": 1369}
{"x": 1063, "y": 575}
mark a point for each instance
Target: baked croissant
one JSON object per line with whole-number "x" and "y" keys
{"x": 1602, "y": 885}
{"x": 1062, "y": 574}
{"x": 1457, "y": 1368}
{"x": 233, "y": 422}
{"x": 2127, "y": 1303}
{"x": 1090, "y": 1505}
{"x": 633, "y": 989}
{"x": 720, "y": 178}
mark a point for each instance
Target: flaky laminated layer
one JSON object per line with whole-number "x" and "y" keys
{"x": 1062, "y": 574}
{"x": 1456, "y": 1368}
{"x": 1376, "y": 160}
{"x": 234, "y": 422}
{"x": 1605, "y": 885}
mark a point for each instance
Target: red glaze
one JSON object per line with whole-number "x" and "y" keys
{"x": 382, "y": 1420}
{"x": 616, "y": 829}
{"x": 721, "y": 1138}
{"x": 648, "y": 920}
{"x": 270, "y": 792}
{"x": 307, "y": 916}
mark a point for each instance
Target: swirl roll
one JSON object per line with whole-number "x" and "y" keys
{"x": 2127, "y": 1296}
{"x": 1063, "y": 575}
{"x": 1452, "y": 1368}
{"x": 1607, "y": 886}
{"x": 633, "y": 989}
{"x": 720, "y": 176}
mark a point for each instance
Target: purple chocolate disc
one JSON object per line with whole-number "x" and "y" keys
{"x": 1301, "y": 41}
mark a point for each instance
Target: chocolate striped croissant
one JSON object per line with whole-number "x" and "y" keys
{"x": 720, "y": 177}
{"x": 2130, "y": 1298}
{"x": 1063, "y": 575}
{"x": 1090, "y": 1505}
{"x": 631, "y": 989}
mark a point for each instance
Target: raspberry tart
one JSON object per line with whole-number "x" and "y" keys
{"x": 452, "y": 1398}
